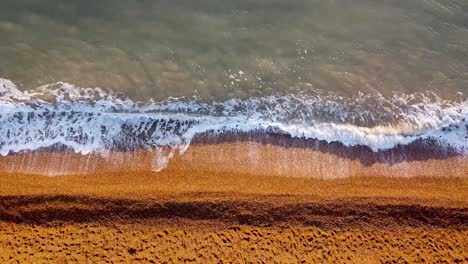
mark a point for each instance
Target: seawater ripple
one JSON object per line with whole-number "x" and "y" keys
{"x": 92, "y": 120}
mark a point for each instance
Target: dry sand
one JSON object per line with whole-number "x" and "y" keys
{"x": 201, "y": 216}
{"x": 130, "y": 243}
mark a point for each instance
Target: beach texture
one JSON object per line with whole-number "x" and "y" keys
{"x": 200, "y": 216}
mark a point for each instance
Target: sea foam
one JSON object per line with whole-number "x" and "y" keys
{"x": 91, "y": 120}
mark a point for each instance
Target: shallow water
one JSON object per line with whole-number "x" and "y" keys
{"x": 242, "y": 48}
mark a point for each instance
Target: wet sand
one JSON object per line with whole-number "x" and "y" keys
{"x": 285, "y": 157}
{"x": 198, "y": 216}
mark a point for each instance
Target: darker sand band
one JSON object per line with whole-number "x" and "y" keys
{"x": 347, "y": 213}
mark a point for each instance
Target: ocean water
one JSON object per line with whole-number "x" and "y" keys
{"x": 99, "y": 76}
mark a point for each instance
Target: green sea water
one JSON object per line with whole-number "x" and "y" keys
{"x": 237, "y": 48}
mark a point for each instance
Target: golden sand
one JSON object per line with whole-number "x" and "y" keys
{"x": 132, "y": 243}
{"x": 182, "y": 215}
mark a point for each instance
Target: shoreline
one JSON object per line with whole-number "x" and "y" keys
{"x": 324, "y": 161}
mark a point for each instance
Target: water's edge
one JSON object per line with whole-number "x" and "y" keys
{"x": 364, "y": 131}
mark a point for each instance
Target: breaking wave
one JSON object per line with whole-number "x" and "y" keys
{"x": 92, "y": 120}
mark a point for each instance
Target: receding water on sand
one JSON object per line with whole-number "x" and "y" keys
{"x": 372, "y": 129}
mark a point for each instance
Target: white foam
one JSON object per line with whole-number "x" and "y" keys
{"x": 92, "y": 120}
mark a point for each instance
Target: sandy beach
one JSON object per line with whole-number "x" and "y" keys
{"x": 198, "y": 216}
{"x": 247, "y": 131}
